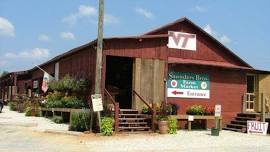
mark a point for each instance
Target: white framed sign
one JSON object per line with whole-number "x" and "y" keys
{"x": 181, "y": 40}
{"x": 217, "y": 110}
{"x": 190, "y": 118}
{"x": 188, "y": 85}
{"x": 257, "y": 127}
{"x": 97, "y": 102}
{"x": 35, "y": 84}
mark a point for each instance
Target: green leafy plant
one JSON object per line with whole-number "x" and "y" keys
{"x": 107, "y": 126}
{"x": 195, "y": 110}
{"x": 80, "y": 121}
{"x": 28, "y": 111}
{"x": 68, "y": 84}
{"x": 57, "y": 119}
{"x": 172, "y": 125}
{"x": 12, "y": 106}
{"x": 162, "y": 118}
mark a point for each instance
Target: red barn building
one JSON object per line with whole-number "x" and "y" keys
{"x": 141, "y": 64}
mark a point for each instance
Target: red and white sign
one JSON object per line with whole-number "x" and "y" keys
{"x": 257, "y": 127}
{"x": 180, "y": 40}
{"x": 188, "y": 93}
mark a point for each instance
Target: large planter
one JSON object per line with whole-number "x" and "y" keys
{"x": 163, "y": 127}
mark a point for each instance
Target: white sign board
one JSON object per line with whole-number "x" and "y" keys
{"x": 97, "y": 102}
{"x": 180, "y": 40}
{"x": 190, "y": 118}
{"x": 257, "y": 127}
{"x": 35, "y": 84}
{"x": 217, "y": 110}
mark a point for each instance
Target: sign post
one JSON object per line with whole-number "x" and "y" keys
{"x": 97, "y": 106}
{"x": 217, "y": 115}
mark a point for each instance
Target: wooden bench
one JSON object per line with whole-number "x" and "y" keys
{"x": 198, "y": 117}
{"x": 61, "y": 110}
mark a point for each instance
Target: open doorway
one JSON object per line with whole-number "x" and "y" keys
{"x": 119, "y": 79}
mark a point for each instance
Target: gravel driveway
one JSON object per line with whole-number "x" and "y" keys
{"x": 25, "y": 139}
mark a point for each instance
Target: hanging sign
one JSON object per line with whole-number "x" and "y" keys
{"x": 97, "y": 102}
{"x": 188, "y": 85}
{"x": 181, "y": 40}
{"x": 257, "y": 127}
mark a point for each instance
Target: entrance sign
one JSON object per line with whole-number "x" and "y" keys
{"x": 217, "y": 110}
{"x": 257, "y": 127}
{"x": 188, "y": 85}
{"x": 180, "y": 40}
{"x": 97, "y": 102}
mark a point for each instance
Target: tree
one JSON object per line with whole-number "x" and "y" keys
{"x": 2, "y": 74}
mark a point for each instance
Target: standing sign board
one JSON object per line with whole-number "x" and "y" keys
{"x": 180, "y": 40}
{"x": 188, "y": 85}
{"x": 257, "y": 127}
{"x": 97, "y": 102}
{"x": 217, "y": 110}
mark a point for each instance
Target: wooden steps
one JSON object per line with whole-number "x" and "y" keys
{"x": 239, "y": 124}
{"x": 131, "y": 120}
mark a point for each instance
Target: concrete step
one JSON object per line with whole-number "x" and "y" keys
{"x": 134, "y": 116}
{"x": 236, "y": 126}
{"x": 244, "y": 118}
{"x": 239, "y": 122}
{"x": 250, "y": 115}
{"x": 133, "y": 123}
{"x": 232, "y": 129}
{"x": 132, "y": 119}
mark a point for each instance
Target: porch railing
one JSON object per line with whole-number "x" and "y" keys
{"x": 152, "y": 109}
{"x": 116, "y": 110}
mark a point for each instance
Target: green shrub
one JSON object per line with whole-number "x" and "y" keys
{"x": 73, "y": 102}
{"x": 68, "y": 83}
{"x": 80, "y": 121}
{"x": 28, "y": 111}
{"x": 12, "y": 106}
{"x": 106, "y": 126}
{"x": 57, "y": 100}
{"x": 57, "y": 119}
{"x": 172, "y": 125}
{"x": 195, "y": 110}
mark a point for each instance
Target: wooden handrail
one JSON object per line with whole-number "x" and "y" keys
{"x": 110, "y": 96}
{"x": 153, "y": 110}
{"x": 116, "y": 110}
{"x": 143, "y": 100}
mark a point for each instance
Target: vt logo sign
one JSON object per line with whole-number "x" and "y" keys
{"x": 180, "y": 40}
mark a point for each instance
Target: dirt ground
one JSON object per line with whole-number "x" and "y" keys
{"x": 23, "y": 139}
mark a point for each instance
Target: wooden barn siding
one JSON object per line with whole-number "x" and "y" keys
{"x": 80, "y": 65}
{"x": 226, "y": 87}
{"x": 207, "y": 49}
{"x": 37, "y": 73}
{"x": 147, "y": 48}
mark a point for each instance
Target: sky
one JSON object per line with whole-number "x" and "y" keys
{"x": 35, "y": 31}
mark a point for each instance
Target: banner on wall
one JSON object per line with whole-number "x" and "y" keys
{"x": 188, "y": 85}
{"x": 181, "y": 40}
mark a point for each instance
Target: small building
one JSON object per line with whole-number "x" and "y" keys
{"x": 178, "y": 63}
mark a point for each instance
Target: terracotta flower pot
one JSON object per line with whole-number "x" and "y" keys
{"x": 163, "y": 127}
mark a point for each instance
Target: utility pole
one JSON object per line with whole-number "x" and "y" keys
{"x": 99, "y": 54}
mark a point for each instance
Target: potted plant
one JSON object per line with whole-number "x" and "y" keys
{"x": 163, "y": 124}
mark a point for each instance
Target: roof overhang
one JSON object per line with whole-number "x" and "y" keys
{"x": 207, "y": 63}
